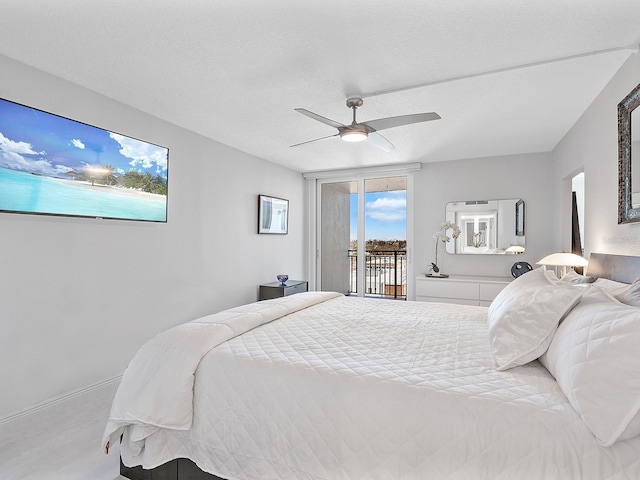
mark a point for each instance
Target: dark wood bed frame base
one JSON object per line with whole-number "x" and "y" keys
{"x": 178, "y": 469}
{"x": 621, "y": 268}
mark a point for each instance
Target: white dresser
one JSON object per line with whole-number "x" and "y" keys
{"x": 462, "y": 289}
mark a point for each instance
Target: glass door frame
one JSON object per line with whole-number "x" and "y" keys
{"x": 314, "y": 185}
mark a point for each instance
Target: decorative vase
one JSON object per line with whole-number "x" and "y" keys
{"x": 282, "y": 279}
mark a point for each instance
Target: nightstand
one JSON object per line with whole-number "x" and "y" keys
{"x": 275, "y": 289}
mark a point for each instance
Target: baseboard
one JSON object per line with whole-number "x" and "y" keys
{"x": 59, "y": 399}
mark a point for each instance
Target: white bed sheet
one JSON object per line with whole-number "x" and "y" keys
{"x": 375, "y": 389}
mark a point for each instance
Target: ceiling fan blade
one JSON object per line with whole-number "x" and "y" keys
{"x": 320, "y": 118}
{"x": 390, "y": 122}
{"x": 379, "y": 141}
{"x": 316, "y": 140}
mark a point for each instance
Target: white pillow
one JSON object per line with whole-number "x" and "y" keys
{"x": 632, "y": 295}
{"x": 594, "y": 357}
{"x": 524, "y": 316}
{"x": 616, "y": 289}
{"x": 575, "y": 278}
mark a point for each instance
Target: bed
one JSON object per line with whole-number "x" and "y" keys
{"x": 322, "y": 386}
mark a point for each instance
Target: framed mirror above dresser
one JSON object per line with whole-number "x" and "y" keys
{"x": 488, "y": 227}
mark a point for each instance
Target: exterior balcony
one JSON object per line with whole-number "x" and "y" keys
{"x": 385, "y": 273}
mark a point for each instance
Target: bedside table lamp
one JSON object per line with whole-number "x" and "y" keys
{"x": 563, "y": 260}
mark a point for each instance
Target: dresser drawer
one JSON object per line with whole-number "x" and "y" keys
{"x": 444, "y": 288}
{"x": 489, "y": 291}
{"x": 461, "y": 289}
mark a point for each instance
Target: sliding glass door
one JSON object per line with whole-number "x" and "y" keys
{"x": 363, "y": 236}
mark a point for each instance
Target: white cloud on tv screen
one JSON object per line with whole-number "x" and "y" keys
{"x": 12, "y": 155}
{"x": 11, "y": 146}
{"x": 77, "y": 143}
{"x": 141, "y": 154}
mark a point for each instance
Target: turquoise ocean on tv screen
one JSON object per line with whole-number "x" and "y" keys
{"x": 26, "y": 192}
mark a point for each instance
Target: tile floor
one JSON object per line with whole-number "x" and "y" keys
{"x": 61, "y": 442}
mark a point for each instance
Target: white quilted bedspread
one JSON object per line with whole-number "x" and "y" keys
{"x": 374, "y": 389}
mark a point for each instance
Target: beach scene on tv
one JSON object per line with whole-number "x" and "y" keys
{"x": 53, "y": 165}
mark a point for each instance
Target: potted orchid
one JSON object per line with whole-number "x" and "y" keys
{"x": 441, "y": 236}
{"x": 476, "y": 239}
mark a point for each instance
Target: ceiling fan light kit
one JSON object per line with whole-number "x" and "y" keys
{"x": 355, "y": 134}
{"x": 359, "y": 132}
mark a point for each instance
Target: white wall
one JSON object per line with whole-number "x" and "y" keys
{"x": 592, "y": 146}
{"x": 493, "y": 178}
{"x": 79, "y": 296}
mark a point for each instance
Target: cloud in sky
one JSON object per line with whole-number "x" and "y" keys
{"x": 15, "y": 161}
{"x": 61, "y": 169}
{"x": 141, "y": 153}
{"x": 12, "y": 155}
{"x": 11, "y": 146}
{"x": 77, "y": 143}
{"x": 392, "y": 208}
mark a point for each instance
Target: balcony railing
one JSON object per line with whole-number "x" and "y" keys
{"x": 385, "y": 273}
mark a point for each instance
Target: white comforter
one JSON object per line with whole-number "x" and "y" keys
{"x": 156, "y": 390}
{"x": 357, "y": 389}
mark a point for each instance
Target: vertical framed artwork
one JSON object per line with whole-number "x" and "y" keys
{"x": 273, "y": 215}
{"x": 520, "y": 218}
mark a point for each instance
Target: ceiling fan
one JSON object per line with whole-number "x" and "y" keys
{"x": 358, "y": 132}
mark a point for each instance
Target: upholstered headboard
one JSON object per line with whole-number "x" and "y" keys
{"x": 621, "y": 268}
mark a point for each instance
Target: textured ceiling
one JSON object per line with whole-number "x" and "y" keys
{"x": 234, "y": 70}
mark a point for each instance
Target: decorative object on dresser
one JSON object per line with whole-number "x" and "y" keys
{"x": 563, "y": 260}
{"x": 628, "y": 121}
{"x": 282, "y": 278}
{"x": 461, "y": 289}
{"x": 441, "y": 236}
{"x": 519, "y": 268}
{"x": 279, "y": 289}
{"x": 273, "y": 215}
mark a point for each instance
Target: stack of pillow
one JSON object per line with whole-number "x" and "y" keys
{"x": 586, "y": 335}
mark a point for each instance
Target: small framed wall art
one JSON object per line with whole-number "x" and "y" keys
{"x": 273, "y": 215}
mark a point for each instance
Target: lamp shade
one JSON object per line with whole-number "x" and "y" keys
{"x": 563, "y": 260}
{"x": 515, "y": 249}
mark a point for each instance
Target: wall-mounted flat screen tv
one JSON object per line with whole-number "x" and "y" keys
{"x": 51, "y": 165}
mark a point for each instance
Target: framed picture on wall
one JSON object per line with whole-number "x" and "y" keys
{"x": 520, "y": 218}
{"x": 273, "y": 215}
